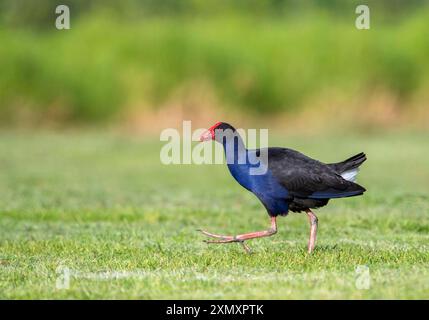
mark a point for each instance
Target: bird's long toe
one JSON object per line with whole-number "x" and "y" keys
{"x": 221, "y": 241}
{"x": 223, "y": 238}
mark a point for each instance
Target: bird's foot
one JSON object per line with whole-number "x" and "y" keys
{"x": 225, "y": 239}
{"x": 311, "y": 247}
{"x": 246, "y": 247}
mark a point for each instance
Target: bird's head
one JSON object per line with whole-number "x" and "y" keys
{"x": 217, "y": 132}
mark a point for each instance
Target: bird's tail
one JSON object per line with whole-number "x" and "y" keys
{"x": 349, "y": 168}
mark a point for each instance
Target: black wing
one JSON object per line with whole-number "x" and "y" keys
{"x": 305, "y": 177}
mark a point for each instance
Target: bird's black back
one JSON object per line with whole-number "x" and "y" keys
{"x": 310, "y": 183}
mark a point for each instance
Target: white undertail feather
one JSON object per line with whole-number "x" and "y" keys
{"x": 350, "y": 175}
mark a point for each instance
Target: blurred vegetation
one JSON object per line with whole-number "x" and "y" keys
{"x": 260, "y": 56}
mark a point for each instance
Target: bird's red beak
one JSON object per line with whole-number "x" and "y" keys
{"x": 209, "y": 134}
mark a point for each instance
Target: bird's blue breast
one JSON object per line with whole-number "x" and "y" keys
{"x": 264, "y": 186}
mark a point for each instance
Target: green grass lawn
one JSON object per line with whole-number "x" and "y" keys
{"x": 103, "y": 206}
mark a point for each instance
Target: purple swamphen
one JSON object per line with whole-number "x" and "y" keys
{"x": 290, "y": 181}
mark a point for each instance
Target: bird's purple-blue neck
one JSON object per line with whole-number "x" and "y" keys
{"x": 237, "y": 160}
{"x": 235, "y": 150}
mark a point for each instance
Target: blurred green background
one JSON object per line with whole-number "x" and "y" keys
{"x": 255, "y": 58}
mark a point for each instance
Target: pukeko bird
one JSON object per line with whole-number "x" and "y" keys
{"x": 292, "y": 181}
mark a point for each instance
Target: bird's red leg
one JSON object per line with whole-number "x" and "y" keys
{"x": 242, "y": 237}
{"x": 313, "y": 230}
